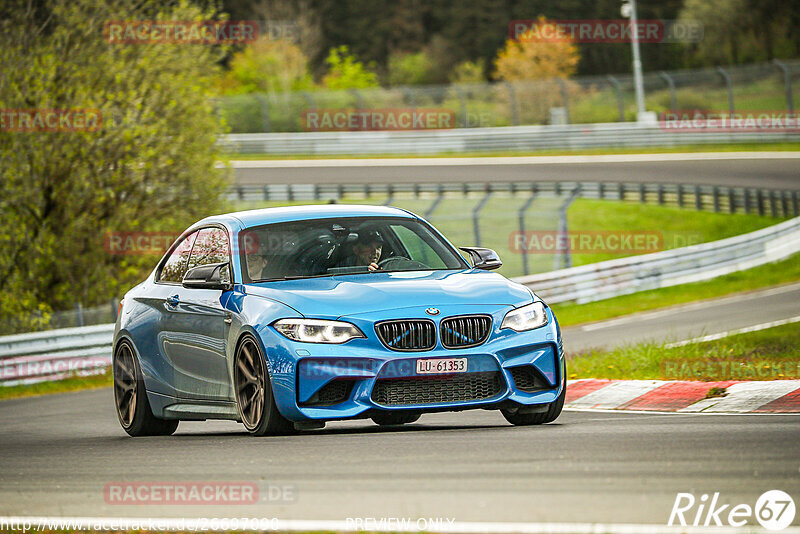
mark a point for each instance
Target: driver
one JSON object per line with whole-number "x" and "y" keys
{"x": 366, "y": 250}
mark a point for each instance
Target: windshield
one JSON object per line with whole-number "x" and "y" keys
{"x": 332, "y": 246}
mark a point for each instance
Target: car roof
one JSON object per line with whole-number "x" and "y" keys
{"x": 298, "y": 213}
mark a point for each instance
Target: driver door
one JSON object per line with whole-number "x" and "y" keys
{"x": 196, "y": 331}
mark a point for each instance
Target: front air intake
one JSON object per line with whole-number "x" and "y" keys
{"x": 407, "y": 334}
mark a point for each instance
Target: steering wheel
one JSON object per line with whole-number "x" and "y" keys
{"x": 407, "y": 263}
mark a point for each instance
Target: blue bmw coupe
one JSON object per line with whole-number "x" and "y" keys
{"x": 286, "y": 318}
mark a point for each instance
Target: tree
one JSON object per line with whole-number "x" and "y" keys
{"x": 410, "y": 69}
{"x": 468, "y": 72}
{"x": 534, "y": 57}
{"x": 149, "y": 165}
{"x": 346, "y": 72}
{"x": 267, "y": 66}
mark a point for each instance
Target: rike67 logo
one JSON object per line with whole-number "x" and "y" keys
{"x": 773, "y": 510}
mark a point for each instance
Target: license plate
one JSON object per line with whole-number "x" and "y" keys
{"x": 444, "y": 365}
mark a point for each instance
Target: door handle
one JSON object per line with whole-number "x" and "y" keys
{"x": 228, "y": 318}
{"x": 174, "y": 300}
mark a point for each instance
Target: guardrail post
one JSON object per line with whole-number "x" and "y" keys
{"x": 416, "y": 190}
{"x": 462, "y": 105}
{"x": 698, "y": 200}
{"x": 359, "y": 100}
{"x": 564, "y": 98}
{"x": 620, "y": 101}
{"x": 476, "y": 212}
{"x": 773, "y": 208}
{"x": 787, "y": 81}
{"x": 315, "y": 191}
{"x": 727, "y": 78}
{"x": 671, "y": 84}
{"x": 660, "y": 194}
{"x": 521, "y": 216}
{"x": 760, "y": 201}
{"x": 563, "y": 229}
{"x": 731, "y": 201}
{"x": 601, "y": 189}
{"x": 621, "y": 190}
{"x": 784, "y": 204}
{"x": 263, "y": 105}
{"x": 746, "y": 194}
{"x": 715, "y": 196}
{"x": 389, "y": 195}
{"x": 680, "y": 195}
{"x": 436, "y": 201}
{"x": 642, "y": 194}
{"x": 794, "y": 203}
{"x": 309, "y": 99}
{"x": 79, "y": 314}
{"x": 512, "y": 103}
{"x": 339, "y": 191}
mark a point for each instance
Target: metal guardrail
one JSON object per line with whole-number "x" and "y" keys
{"x": 57, "y": 354}
{"x": 602, "y": 280}
{"x": 721, "y": 199}
{"x": 513, "y": 138}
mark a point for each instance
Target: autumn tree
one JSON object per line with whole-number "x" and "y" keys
{"x": 536, "y": 55}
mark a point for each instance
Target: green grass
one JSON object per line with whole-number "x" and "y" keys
{"x": 675, "y": 227}
{"x": 76, "y": 383}
{"x": 769, "y": 354}
{"x": 768, "y": 275}
{"x": 726, "y": 147}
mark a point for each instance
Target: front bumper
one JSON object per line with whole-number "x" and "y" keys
{"x": 327, "y": 382}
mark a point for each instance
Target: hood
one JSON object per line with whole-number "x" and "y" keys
{"x": 337, "y": 296}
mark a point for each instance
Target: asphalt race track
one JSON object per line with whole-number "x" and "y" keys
{"x": 689, "y": 321}
{"x": 59, "y": 452}
{"x": 769, "y": 170}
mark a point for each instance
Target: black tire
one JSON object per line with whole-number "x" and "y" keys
{"x": 540, "y": 418}
{"x": 130, "y": 397}
{"x": 254, "y": 399}
{"x": 394, "y": 418}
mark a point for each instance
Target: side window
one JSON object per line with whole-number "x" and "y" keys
{"x": 417, "y": 248}
{"x": 211, "y": 246}
{"x": 176, "y": 265}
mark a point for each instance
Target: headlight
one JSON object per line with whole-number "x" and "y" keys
{"x": 527, "y": 317}
{"x": 317, "y": 330}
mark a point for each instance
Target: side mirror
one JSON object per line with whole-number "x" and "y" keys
{"x": 211, "y": 276}
{"x": 483, "y": 258}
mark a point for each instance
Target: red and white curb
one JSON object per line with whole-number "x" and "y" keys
{"x": 774, "y": 396}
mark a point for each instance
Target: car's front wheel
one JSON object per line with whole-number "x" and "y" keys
{"x": 257, "y": 408}
{"x": 130, "y": 396}
{"x": 540, "y": 418}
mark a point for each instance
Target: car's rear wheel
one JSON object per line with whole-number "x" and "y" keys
{"x": 257, "y": 408}
{"x": 394, "y": 418}
{"x": 130, "y": 396}
{"x": 540, "y": 418}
